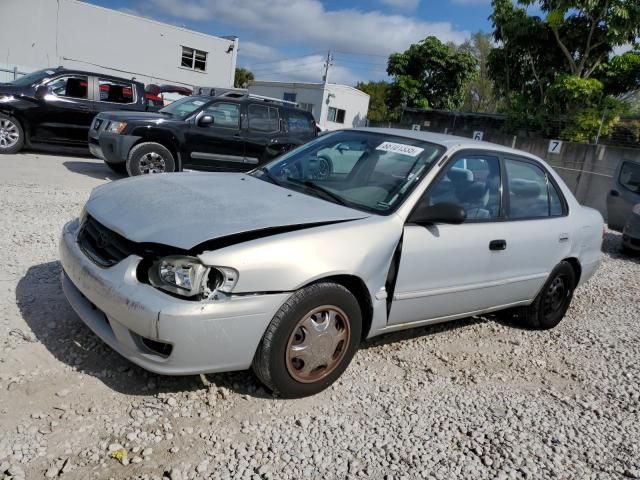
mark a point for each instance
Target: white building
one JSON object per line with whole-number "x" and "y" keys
{"x": 36, "y": 34}
{"x": 333, "y": 106}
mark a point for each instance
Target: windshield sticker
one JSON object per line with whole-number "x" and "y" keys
{"x": 198, "y": 103}
{"x": 401, "y": 148}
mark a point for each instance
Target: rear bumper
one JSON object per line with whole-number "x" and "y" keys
{"x": 111, "y": 147}
{"x": 203, "y": 336}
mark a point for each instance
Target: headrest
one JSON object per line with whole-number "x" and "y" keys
{"x": 460, "y": 175}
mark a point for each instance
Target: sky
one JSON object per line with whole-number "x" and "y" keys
{"x": 288, "y": 40}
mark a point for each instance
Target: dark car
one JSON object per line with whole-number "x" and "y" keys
{"x": 57, "y": 105}
{"x": 232, "y": 131}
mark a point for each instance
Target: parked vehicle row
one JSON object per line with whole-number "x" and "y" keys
{"x": 57, "y": 106}
{"x": 287, "y": 268}
{"x": 232, "y": 132}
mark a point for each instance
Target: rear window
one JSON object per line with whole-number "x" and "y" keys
{"x": 630, "y": 176}
{"x": 300, "y": 123}
{"x": 115, "y": 92}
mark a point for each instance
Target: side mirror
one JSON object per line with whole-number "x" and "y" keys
{"x": 205, "y": 121}
{"x": 444, "y": 212}
{"x": 42, "y": 91}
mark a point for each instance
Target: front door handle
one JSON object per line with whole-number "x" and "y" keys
{"x": 614, "y": 193}
{"x": 498, "y": 245}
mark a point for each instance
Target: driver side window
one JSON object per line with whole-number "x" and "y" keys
{"x": 474, "y": 183}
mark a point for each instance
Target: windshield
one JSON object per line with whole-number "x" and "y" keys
{"x": 365, "y": 170}
{"x": 185, "y": 106}
{"x": 31, "y": 78}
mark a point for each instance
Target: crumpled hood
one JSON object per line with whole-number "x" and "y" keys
{"x": 186, "y": 209}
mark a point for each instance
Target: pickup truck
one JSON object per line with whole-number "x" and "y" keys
{"x": 56, "y": 106}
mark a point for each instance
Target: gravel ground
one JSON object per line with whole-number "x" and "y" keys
{"x": 473, "y": 399}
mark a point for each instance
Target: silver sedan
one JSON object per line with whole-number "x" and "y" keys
{"x": 288, "y": 268}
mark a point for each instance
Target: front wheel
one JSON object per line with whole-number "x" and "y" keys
{"x": 150, "y": 157}
{"x": 11, "y": 135}
{"x": 552, "y": 301}
{"x": 310, "y": 341}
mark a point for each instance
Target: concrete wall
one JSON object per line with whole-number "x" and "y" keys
{"x": 36, "y": 34}
{"x": 354, "y": 102}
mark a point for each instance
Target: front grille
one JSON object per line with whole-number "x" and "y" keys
{"x": 103, "y": 246}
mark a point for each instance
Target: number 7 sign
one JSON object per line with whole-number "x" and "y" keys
{"x": 555, "y": 146}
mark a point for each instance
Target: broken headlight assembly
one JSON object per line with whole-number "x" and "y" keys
{"x": 188, "y": 277}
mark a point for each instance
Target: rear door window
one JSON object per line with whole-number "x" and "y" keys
{"x": 263, "y": 118}
{"x": 531, "y": 193}
{"x": 116, "y": 92}
{"x": 630, "y": 176}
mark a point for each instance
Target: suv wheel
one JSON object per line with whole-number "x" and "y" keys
{"x": 150, "y": 157}
{"x": 310, "y": 341}
{"x": 11, "y": 135}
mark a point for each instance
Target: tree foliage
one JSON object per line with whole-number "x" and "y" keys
{"x": 479, "y": 95}
{"x": 242, "y": 77}
{"x": 377, "y": 91}
{"x": 429, "y": 74}
{"x": 561, "y": 66}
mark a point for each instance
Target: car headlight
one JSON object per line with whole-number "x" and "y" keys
{"x": 116, "y": 127}
{"x": 187, "y": 277}
{"x": 636, "y": 209}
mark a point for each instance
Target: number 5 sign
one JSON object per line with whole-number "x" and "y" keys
{"x": 555, "y": 146}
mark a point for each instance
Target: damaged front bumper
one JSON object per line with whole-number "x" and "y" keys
{"x": 156, "y": 331}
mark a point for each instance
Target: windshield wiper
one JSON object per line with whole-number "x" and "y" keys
{"x": 267, "y": 174}
{"x": 318, "y": 188}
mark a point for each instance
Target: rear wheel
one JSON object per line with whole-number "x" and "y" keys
{"x": 11, "y": 135}
{"x": 310, "y": 341}
{"x": 552, "y": 302}
{"x": 150, "y": 157}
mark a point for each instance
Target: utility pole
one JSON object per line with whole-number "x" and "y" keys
{"x": 327, "y": 64}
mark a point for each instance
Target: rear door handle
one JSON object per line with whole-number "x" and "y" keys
{"x": 498, "y": 245}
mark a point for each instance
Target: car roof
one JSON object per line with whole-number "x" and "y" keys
{"x": 448, "y": 141}
{"x": 106, "y": 76}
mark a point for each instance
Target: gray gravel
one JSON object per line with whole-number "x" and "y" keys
{"x": 470, "y": 399}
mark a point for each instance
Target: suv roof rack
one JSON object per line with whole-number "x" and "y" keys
{"x": 238, "y": 93}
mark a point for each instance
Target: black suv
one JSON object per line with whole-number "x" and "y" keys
{"x": 57, "y": 105}
{"x": 231, "y": 131}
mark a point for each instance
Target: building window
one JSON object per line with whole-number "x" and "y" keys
{"x": 289, "y": 97}
{"x": 307, "y": 107}
{"x": 335, "y": 115}
{"x": 194, "y": 59}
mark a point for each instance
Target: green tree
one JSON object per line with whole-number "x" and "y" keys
{"x": 242, "y": 77}
{"x": 479, "y": 96}
{"x": 429, "y": 74}
{"x": 377, "y": 91}
{"x": 543, "y": 67}
{"x": 622, "y": 73}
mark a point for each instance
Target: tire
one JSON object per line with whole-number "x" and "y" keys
{"x": 325, "y": 167}
{"x": 150, "y": 157}
{"x": 552, "y": 301}
{"x": 11, "y": 135}
{"x": 279, "y": 361}
{"x": 117, "y": 167}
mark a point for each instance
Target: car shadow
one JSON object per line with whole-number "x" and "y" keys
{"x": 53, "y": 322}
{"x": 612, "y": 245}
{"x": 93, "y": 168}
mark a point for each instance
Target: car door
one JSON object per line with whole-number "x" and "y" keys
{"x": 624, "y": 194}
{"x": 218, "y": 145}
{"x": 489, "y": 261}
{"x": 263, "y": 134}
{"x": 66, "y": 111}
